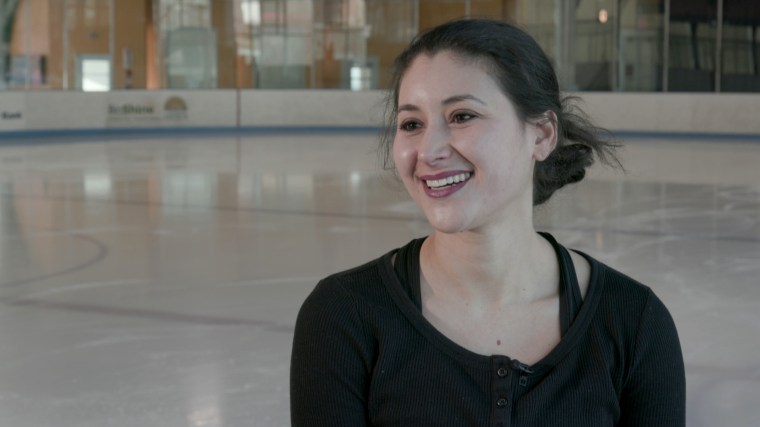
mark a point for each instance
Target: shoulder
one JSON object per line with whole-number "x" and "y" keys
{"x": 358, "y": 282}
{"x": 345, "y": 286}
{"x": 623, "y": 299}
{"x": 332, "y": 316}
{"x": 370, "y": 281}
{"x": 614, "y": 284}
{"x": 355, "y": 290}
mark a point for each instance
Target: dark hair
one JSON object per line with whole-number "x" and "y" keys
{"x": 525, "y": 75}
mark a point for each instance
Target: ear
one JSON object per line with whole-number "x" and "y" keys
{"x": 546, "y": 136}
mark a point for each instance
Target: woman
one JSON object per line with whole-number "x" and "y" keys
{"x": 485, "y": 321}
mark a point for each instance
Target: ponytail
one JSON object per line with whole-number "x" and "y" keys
{"x": 579, "y": 142}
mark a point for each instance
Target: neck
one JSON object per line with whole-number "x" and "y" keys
{"x": 513, "y": 265}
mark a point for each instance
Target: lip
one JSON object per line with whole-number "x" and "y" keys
{"x": 447, "y": 191}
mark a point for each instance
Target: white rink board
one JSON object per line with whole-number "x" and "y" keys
{"x": 297, "y": 108}
{"x": 65, "y": 110}
{"x": 707, "y": 113}
{"x": 12, "y": 111}
{"x": 688, "y": 113}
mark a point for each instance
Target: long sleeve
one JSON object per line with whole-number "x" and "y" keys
{"x": 330, "y": 362}
{"x": 655, "y": 392}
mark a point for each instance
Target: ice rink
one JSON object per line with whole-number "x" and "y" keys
{"x": 154, "y": 280}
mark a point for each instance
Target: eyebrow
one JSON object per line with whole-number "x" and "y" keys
{"x": 448, "y": 101}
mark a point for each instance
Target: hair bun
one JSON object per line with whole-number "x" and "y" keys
{"x": 565, "y": 165}
{"x": 572, "y": 161}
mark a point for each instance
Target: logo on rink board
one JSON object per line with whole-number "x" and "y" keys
{"x": 174, "y": 108}
{"x": 11, "y": 115}
{"x": 131, "y": 109}
{"x": 13, "y": 111}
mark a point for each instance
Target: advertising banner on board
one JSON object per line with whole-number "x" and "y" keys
{"x": 12, "y": 106}
{"x": 149, "y": 109}
{"x": 144, "y": 110}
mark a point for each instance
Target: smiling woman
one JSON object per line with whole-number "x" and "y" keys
{"x": 453, "y": 120}
{"x": 485, "y": 321}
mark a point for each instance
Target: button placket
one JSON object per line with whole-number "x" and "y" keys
{"x": 502, "y": 390}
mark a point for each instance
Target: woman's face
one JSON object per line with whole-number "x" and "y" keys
{"x": 462, "y": 152}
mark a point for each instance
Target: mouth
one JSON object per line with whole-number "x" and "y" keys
{"x": 450, "y": 181}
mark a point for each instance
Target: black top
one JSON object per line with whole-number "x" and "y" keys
{"x": 363, "y": 354}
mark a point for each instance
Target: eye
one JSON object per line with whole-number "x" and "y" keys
{"x": 410, "y": 125}
{"x": 462, "y": 117}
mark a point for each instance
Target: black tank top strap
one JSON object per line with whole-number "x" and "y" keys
{"x": 407, "y": 267}
{"x": 569, "y": 290}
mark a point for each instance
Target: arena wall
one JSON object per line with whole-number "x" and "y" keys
{"x": 66, "y": 112}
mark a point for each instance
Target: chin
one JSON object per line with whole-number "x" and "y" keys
{"x": 447, "y": 225}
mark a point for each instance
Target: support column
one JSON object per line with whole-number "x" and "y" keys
{"x": 565, "y": 39}
{"x": 665, "y": 46}
{"x": 8, "y": 10}
{"x": 4, "y": 45}
{"x": 617, "y": 65}
{"x": 131, "y": 43}
{"x": 719, "y": 48}
{"x": 755, "y": 69}
{"x": 223, "y": 22}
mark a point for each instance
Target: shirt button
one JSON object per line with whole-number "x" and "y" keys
{"x": 503, "y": 372}
{"x": 501, "y": 402}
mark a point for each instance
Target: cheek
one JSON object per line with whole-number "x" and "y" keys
{"x": 404, "y": 157}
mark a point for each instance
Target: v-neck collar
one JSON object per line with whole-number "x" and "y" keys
{"x": 402, "y": 281}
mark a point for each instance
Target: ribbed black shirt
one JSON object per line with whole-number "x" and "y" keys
{"x": 363, "y": 354}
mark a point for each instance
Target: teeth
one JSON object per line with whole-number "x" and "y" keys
{"x": 437, "y": 183}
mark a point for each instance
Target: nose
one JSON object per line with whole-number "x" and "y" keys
{"x": 435, "y": 144}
